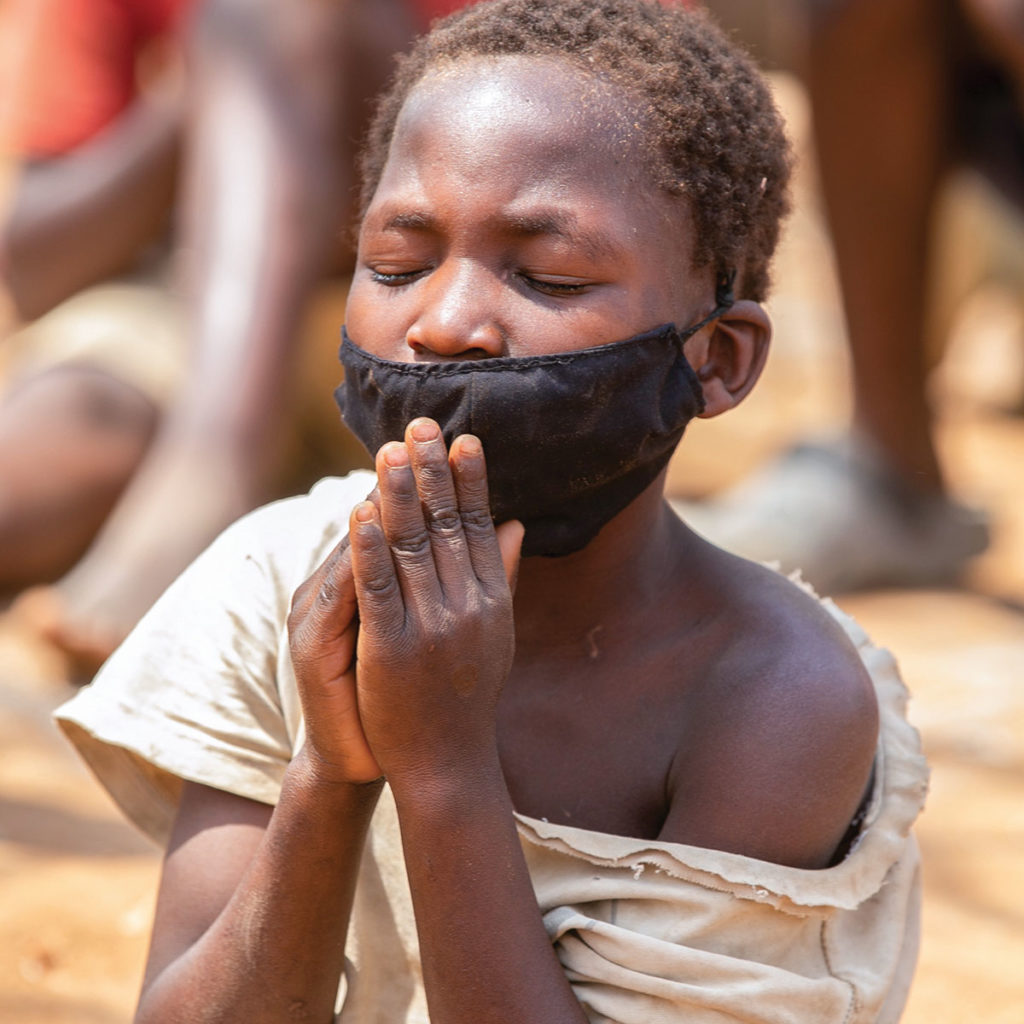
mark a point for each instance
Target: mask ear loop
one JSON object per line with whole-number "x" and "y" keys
{"x": 724, "y": 289}
{"x": 724, "y": 300}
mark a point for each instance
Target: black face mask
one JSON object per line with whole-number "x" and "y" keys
{"x": 570, "y": 439}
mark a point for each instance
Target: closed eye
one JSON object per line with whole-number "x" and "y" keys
{"x": 396, "y": 279}
{"x": 554, "y": 285}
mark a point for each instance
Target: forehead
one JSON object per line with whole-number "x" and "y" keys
{"x": 555, "y": 118}
{"x": 519, "y": 134}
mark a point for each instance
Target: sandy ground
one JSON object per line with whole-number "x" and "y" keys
{"x": 77, "y": 884}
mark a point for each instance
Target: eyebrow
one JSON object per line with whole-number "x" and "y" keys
{"x": 410, "y": 222}
{"x": 595, "y": 244}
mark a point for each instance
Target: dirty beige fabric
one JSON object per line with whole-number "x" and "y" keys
{"x": 648, "y": 932}
{"x": 131, "y": 329}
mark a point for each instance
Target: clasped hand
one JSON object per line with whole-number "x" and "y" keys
{"x": 403, "y": 638}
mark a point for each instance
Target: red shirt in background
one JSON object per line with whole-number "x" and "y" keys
{"x": 428, "y": 10}
{"x": 68, "y": 68}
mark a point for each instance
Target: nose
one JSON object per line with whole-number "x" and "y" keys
{"x": 459, "y": 316}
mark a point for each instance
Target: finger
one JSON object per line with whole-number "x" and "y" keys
{"x": 337, "y": 562}
{"x": 333, "y": 727}
{"x": 377, "y": 588}
{"x": 440, "y": 504}
{"x": 510, "y": 543}
{"x": 401, "y": 516}
{"x": 323, "y": 622}
{"x": 470, "y": 472}
{"x": 325, "y": 604}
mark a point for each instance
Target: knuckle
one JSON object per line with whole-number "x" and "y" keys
{"x": 465, "y": 618}
{"x": 444, "y": 519}
{"x": 295, "y": 635}
{"x": 380, "y": 584}
{"x": 302, "y": 605}
{"x": 327, "y": 592}
{"x": 434, "y": 474}
{"x": 301, "y": 593}
{"x": 477, "y": 519}
{"x": 435, "y": 482}
{"x": 412, "y": 545}
{"x": 296, "y": 618}
{"x": 300, "y": 644}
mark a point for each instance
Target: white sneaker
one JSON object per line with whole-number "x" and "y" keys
{"x": 834, "y": 512}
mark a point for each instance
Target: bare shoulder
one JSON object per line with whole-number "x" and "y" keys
{"x": 778, "y": 746}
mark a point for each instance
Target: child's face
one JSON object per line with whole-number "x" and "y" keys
{"x": 517, "y": 215}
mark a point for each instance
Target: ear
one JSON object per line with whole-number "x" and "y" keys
{"x": 729, "y": 357}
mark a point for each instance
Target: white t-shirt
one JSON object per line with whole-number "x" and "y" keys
{"x": 648, "y": 932}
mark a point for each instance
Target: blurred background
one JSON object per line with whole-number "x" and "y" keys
{"x": 175, "y": 188}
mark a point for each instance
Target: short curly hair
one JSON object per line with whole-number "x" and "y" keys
{"x": 709, "y": 111}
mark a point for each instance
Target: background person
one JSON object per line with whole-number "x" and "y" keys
{"x": 902, "y": 92}
{"x": 175, "y": 400}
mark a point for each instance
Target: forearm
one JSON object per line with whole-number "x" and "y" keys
{"x": 76, "y": 219}
{"x": 486, "y": 955}
{"x": 263, "y": 183}
{"x": 276, "y": 950}
{"x": 279, "y": 93}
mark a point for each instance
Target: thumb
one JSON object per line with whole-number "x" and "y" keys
{"x": 510, "y": 542}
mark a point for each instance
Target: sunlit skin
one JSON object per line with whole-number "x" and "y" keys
{"x": 649, "y": 685}
{"x": 523, "y": 245}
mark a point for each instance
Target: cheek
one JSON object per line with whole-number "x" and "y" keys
{"x": 374, "y": 322}
{"x": 621, "y": 314}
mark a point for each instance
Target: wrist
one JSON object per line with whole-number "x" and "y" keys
{"x": 311, "y": 770}
{"x": 448, "y": 787}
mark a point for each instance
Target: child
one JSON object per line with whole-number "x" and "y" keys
{"x": 651, "y": 785}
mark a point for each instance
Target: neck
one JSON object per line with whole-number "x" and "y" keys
{"x": 564, "y": 602}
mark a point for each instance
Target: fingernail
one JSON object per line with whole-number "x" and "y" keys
{"x": 470, "y": 445}
{"x": 395, "y": 455}
{"x": 423, "y": 430}
{"x": 364, "y": 512}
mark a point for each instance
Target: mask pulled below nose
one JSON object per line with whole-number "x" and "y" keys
{"x": 570, "y": 439}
